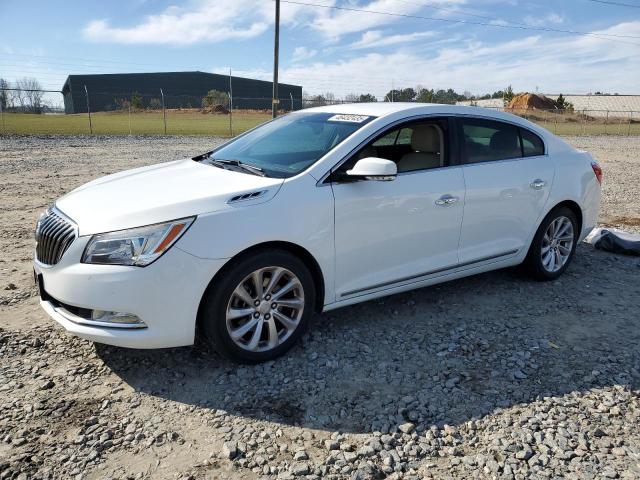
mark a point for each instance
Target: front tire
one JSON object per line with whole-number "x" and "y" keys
{"x": 259, "y": 308}
{"x": 553, "y": 245}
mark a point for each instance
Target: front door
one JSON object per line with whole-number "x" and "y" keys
{"x": 394, "y": 232}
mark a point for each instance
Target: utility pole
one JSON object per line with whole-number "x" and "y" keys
{"x": 276, "y": 47}
{"x": 164, "y": 113}
{"x": 230, "y": 105}
{"x": 86, "y": 92}
{"x": 1, "y": 113}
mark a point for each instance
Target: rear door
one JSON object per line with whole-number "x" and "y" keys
{"x": 508, "y": 177}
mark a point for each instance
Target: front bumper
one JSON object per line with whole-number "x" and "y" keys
{"x": 164, "y": 295}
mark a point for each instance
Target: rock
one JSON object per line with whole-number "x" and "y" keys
{"x": 407, "y": 427}
{"x": 366, "y": 451}
{"x": 452, "y": 382}
{"x": 300, "y": 469}
{"x": 229, "y": 450}
{"x": 524, "y": 454}
{"x": 300, "y": 455}
{"x": 519, "y": 375}
{"x": 331, "y": 444}
{"x": 618, "y": 452}
{"x": 48, "y": 385}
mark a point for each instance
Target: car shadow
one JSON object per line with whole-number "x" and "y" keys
{"x": 439, "y": 355}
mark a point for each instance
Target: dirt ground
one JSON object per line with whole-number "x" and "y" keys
{"x": 494, "y": 376}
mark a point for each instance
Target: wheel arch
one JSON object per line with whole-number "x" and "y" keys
{"x": 570, "y": 204}
{"x": 302, "y": 253}
{"x": 574, "y": 207}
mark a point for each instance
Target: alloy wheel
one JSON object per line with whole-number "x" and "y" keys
{"x": 265, "y": 309}
{"x": 557, "y": 244}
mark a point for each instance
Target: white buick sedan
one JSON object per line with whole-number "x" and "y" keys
{"x": 315, "y": 210}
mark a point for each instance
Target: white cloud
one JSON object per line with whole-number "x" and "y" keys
{"x": 333, "y": 24}
{"x": 545, "y": 21}
{"x": 211, "y": 21}
{"x": 557, "y": 63}
{"x": 303, "y": 53}
{"x": 377, "y": 38}
{"x": 201, "y": 21}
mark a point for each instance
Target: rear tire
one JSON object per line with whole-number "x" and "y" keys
{"x": 259, "y": 307}
{"x": 553, "y": 245}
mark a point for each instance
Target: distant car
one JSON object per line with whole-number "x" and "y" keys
{"x": 312, "y": 211}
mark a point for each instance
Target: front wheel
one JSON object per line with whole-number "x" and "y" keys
{"x": 553, "y": 245}
{"x": 259, "y": 308}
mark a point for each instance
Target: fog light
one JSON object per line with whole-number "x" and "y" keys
{"x": 116, "y": 317}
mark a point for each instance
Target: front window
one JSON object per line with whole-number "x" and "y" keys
{"x": 289, "y": 144}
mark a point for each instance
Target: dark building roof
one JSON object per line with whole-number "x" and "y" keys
{"x": 181, "y": 89}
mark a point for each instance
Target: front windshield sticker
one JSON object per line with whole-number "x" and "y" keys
{"x": 348, "y": 118}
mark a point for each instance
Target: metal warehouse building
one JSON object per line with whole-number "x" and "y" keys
{"x": 181, "y": 90}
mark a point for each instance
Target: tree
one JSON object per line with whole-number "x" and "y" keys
{"x": 330, "y": 98}
{"x": 351, "y": 98}
{"x": 403, "y": 95}
{"x": 4, "y": 94}
{"x": 508, "y": 95}
{"x": 28, "y": 95}
{"x": 425, "y": 95}
{"x": 136, "y": 101}
{"x": 215, "y": 97}
{"x": 359, "y": 98}
{"x": 562, "y": 104}
{"x": 367, "y": 97}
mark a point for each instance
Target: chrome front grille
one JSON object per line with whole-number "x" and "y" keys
{"x": 54, "y": 235}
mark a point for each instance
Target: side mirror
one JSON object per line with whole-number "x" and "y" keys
{"x": 372, "y": 168}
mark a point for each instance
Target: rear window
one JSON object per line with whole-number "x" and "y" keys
{"x": 532, "y": 144}
{"x": 488, "y": 140}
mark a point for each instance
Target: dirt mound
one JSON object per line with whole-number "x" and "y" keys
{"x": 526, "y": 101}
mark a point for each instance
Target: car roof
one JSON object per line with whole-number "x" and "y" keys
{"x": 382, "y": 109}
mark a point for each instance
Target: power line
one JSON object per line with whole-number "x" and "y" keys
{"x": 484, "y": 17}
{"x": 604, "y": 36}
{"x": 616, "y": 4}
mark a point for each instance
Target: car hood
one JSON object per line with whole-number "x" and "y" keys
{"x": 159, "y": 193}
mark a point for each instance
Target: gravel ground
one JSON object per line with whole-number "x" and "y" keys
{"x": 493, "y": 376}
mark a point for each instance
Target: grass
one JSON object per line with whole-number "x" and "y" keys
{"x": 192, "y": 122}
{"x": 179, "y": 122}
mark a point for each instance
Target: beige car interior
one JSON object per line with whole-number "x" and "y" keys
{"x": 424, "y": 151}
{"x": 426, "y": 141}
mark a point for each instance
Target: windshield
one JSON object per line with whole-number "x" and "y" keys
{"x": 289, "y": 144}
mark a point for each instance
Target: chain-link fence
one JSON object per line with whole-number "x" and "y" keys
{"x": 218, "y": 113}
{"x": 581, "y": 122}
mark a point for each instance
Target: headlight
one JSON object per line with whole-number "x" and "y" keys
{"x": 36, "y": 232}
{"x": 136, "y": 246}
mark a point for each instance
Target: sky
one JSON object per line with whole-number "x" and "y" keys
{"x": 476, "y": 46}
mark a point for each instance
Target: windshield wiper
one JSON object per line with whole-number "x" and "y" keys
{"x": 247, "y": 167}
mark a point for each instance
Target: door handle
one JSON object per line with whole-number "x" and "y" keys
{"x": 446, "y": 200}
{"x": 537, "y": 184}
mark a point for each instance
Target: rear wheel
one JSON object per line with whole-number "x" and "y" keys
{"x": 553, "y": 245}
{"x": 259, "y": 308}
